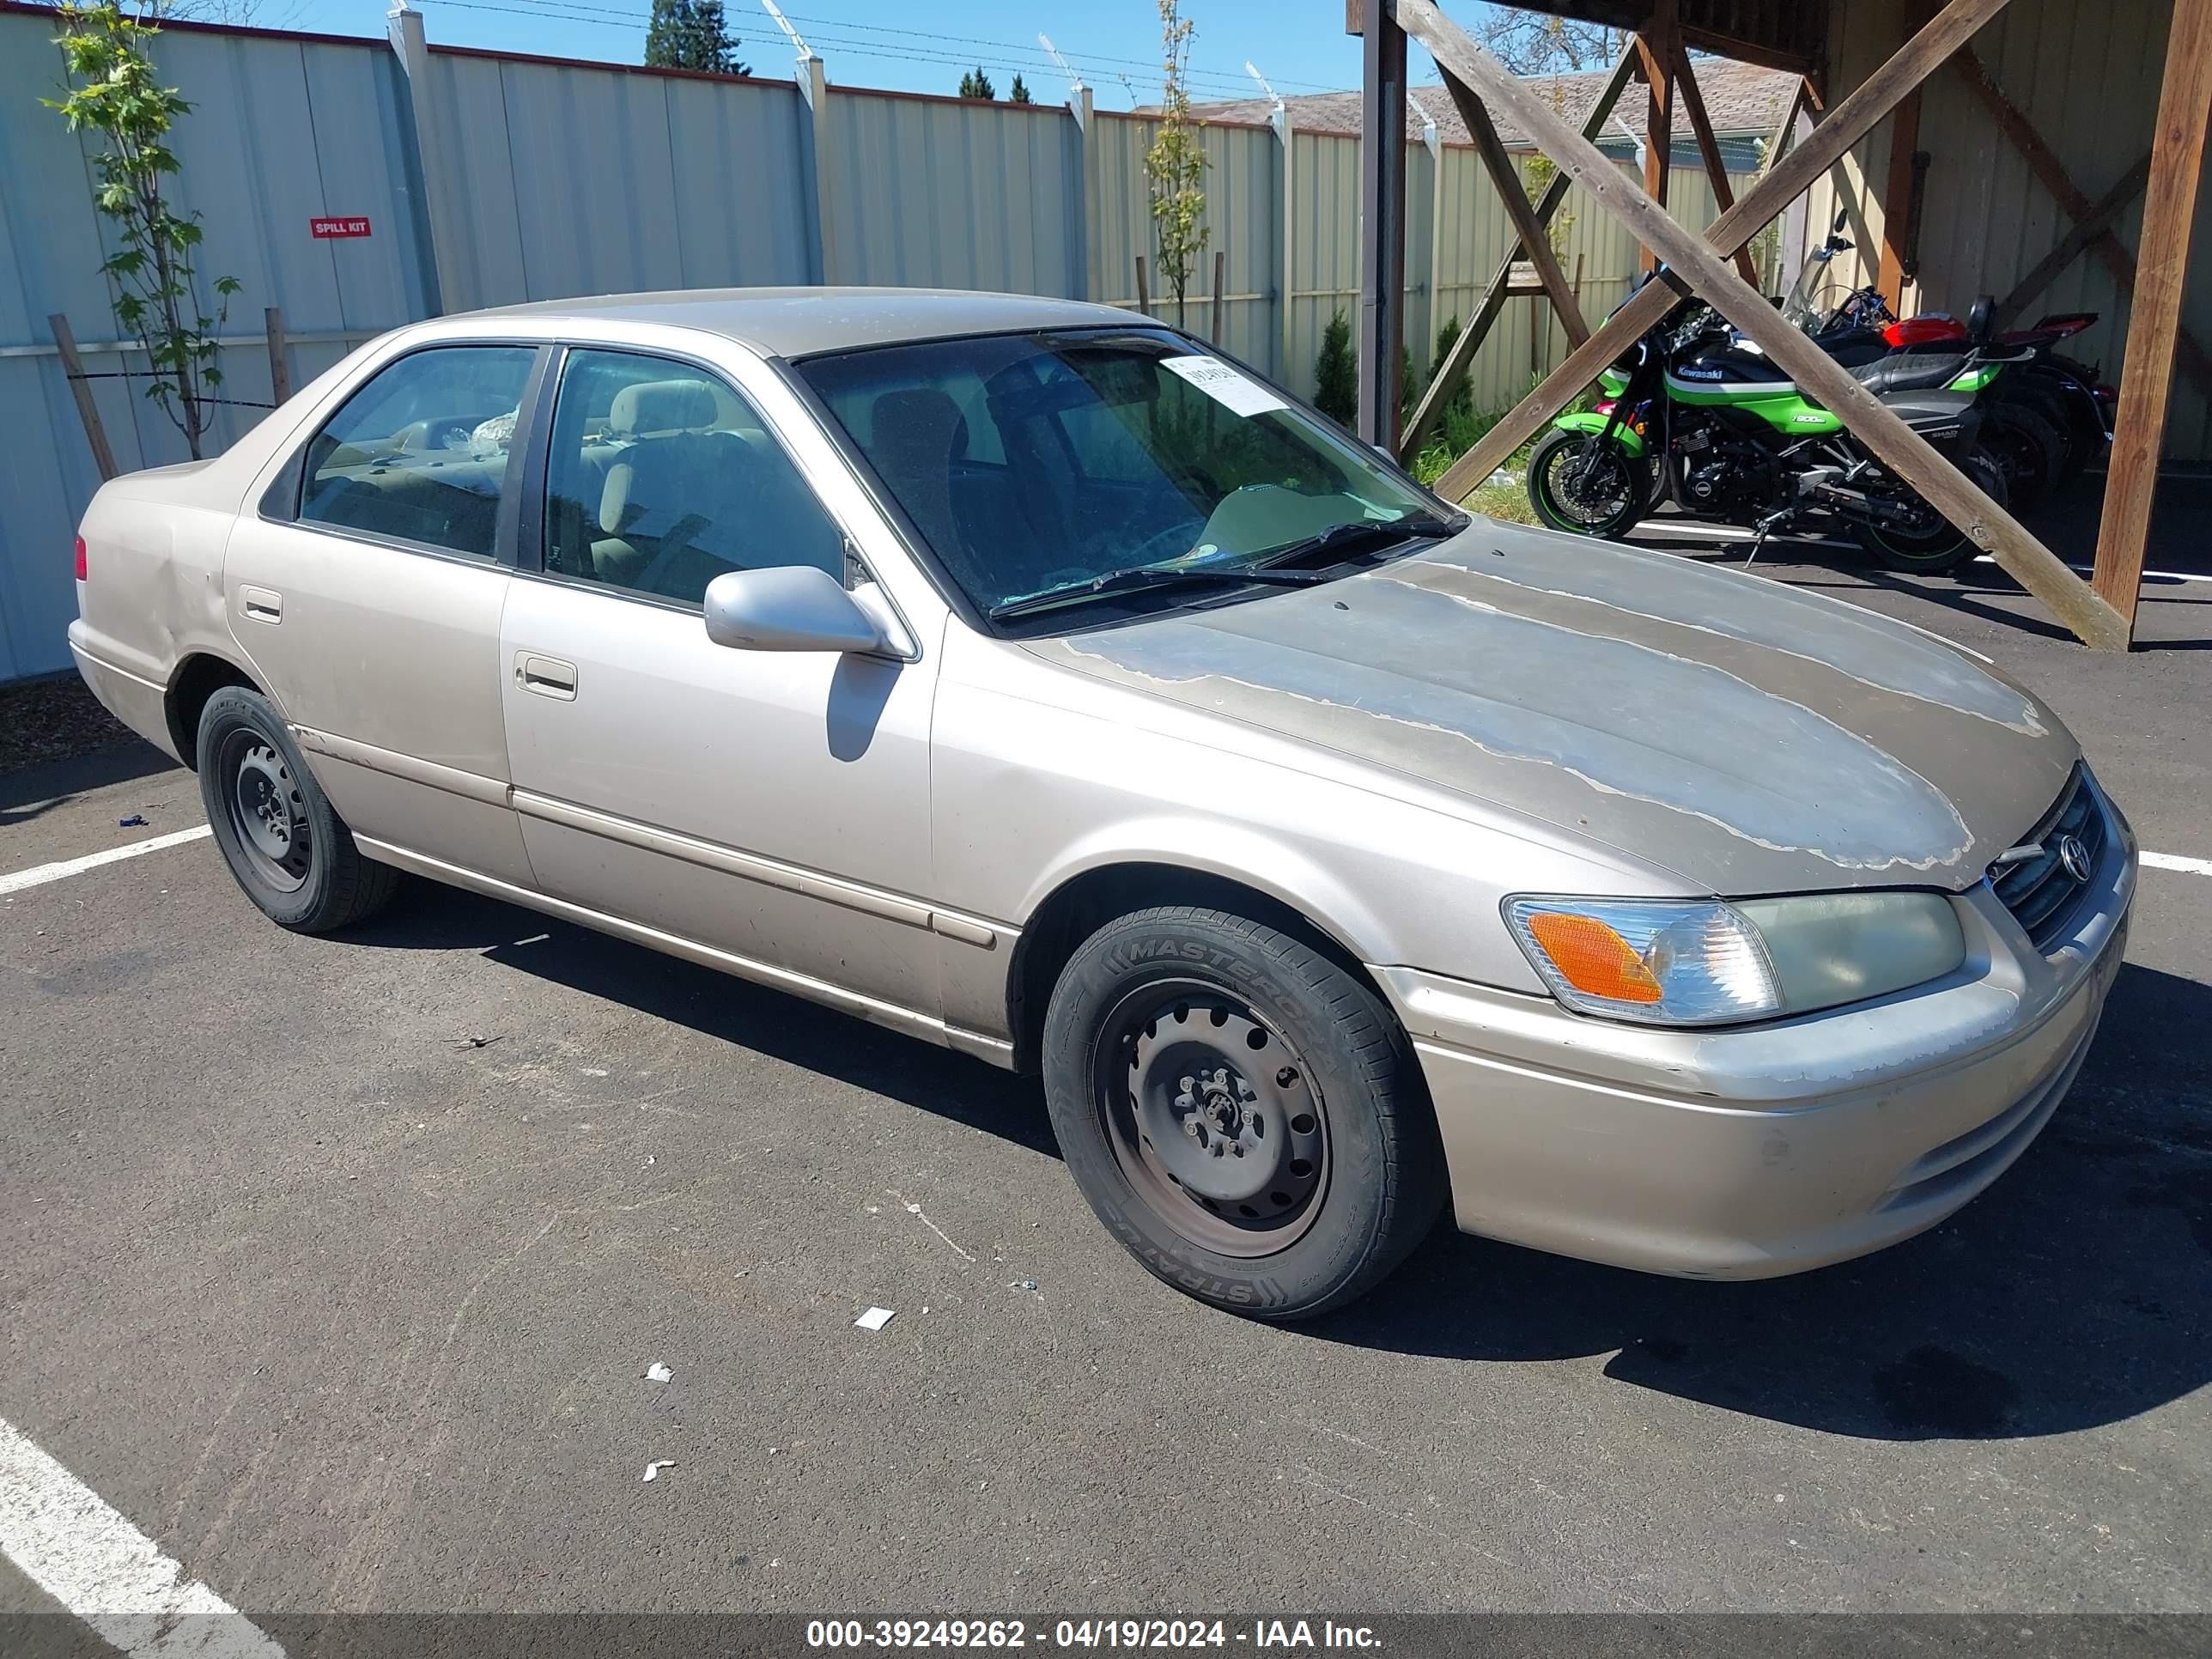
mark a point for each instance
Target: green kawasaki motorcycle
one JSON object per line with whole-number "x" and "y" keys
{"x": 1701, "y": 416}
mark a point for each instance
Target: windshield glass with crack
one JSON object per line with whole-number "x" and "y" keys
{"x": 1044, "y": 466}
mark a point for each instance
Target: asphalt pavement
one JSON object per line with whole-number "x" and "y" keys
{"x": 337, "y": 1266}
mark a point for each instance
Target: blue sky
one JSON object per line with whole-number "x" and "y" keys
{"x": 1300, "y": 48}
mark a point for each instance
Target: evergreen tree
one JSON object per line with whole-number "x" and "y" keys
{"x": 1336, "y": 374}
{"x": 691, "y": 34}
{"x": 976, "y": 84}
{"x": 1462, "y": 402}
{"x": 1019, "y": 94}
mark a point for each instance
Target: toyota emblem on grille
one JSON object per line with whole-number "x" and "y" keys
{"x": 2076, "y": 857}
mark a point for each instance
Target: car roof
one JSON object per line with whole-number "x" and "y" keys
{"x": 797, "y": 322}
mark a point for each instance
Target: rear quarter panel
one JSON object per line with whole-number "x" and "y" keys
{"x": 153, "y": 550}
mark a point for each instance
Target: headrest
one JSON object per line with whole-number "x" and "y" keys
{"x": 657, "y": 480}
{"x": 660, "y": 406}
{"x": 920, "y": 421}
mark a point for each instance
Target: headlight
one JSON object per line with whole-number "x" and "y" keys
{"x": 1700, "y": 962}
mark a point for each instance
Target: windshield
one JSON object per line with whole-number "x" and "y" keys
{"x": 1042, "y": 463}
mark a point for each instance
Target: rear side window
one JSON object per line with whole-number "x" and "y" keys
{"x": 420, "y": 452}
{"x": 661, "y": 476}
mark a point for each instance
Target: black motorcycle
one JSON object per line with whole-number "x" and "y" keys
{"x": 1701, "y": 416}
{"x": 2049, "y": 414}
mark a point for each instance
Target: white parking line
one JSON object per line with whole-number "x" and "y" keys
{"x": 91, "y": 1560}
{"x": 2173, "y": 861}
{"x": 38, "y": 874}
{"x": 2148, "y": 576}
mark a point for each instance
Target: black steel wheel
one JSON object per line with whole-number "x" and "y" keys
{"x": 1215, "y": 1115}
{"x": 1243, "y": 1114}
{"x": 285, "y": 844}
{"x": 268, "y": 810}
{"x": 1587, "y": 486}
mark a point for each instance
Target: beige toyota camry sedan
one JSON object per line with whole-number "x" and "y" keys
{"x": 1027, "y": 678}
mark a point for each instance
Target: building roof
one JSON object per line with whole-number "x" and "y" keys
{"x": 795, "y": 322}
{"x": 1743, "y": 98}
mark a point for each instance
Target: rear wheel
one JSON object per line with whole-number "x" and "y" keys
{"x": 284, "y": 843}
{"x": 2031, "y": 450}
{"x": 1245, "y": 1115}
{"x": 1588, "y": 487}
{"x": 1926, "y": 543}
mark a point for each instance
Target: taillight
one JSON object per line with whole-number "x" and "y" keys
{"x": 80, "y": 558}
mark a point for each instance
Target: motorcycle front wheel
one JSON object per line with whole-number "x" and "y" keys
{"x": 1588, "y": 488}
{"x": 1928, "y": 545}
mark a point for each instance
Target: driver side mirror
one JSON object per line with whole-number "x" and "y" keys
{"x": 801, "y": 607}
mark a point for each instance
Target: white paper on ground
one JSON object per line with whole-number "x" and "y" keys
{"x": 875, "y": 1319}
{"x": 1223, "y": 384}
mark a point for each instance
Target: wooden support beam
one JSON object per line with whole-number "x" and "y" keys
{"x": 1779, "y": 140}
{"x": 1818, "y": 375}
{"x": 2103, "y": 212}
{"x": 2184, "y": 111}
{"x": 1897, "y": 192}
{"x": 1658, "y": 46}
{"x": 1693, "y": 106}
{"x": 280, "y": 365}
{"x": 1896, "y": 198}
{"x": 1535, "y": 238}
{"x": 87, "y": 411}
{"x": 1782, "y": 183}
{"x": 1445, "y": 379}
{"x": 2050, "y": 173}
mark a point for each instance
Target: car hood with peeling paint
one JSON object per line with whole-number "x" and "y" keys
{"x": 1749, "y": 736}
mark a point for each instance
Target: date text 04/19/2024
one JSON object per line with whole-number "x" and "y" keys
{"x": 1282, "y": 1636}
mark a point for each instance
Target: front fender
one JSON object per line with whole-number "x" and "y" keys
{"x": 1589, "y": 420}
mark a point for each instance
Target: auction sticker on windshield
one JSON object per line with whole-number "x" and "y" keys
{"x": 1222, "y": 383}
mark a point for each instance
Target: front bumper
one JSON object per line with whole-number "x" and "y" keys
{"x": 1769, "y": 1149}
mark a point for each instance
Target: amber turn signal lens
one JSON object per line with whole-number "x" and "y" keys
{"x": 1593, "y": 958}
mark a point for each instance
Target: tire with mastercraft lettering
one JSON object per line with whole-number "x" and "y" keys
{"x": 1244, "y": 1115}
{"x": 284, "y": 842}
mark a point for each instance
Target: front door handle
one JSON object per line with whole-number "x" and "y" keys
{"x": 549, "y": 677}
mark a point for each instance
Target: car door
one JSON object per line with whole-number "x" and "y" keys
{"x": 366, "y": 592}
{"x": 771, "y": 806}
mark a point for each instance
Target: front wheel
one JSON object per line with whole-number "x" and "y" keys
{"x": 1245, "y": 1115}
{"x": 1926, "y": 543}
{"x": 1588, "y": 487}
{"x": 283, "y": 840}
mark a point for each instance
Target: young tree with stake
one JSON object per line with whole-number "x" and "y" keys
{"x": 1175, "y": 163}
{"x": 113, "y": 92}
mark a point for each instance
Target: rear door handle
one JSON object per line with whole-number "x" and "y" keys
{"x": 261, "y": 604}
{"x": 549, "y": 677}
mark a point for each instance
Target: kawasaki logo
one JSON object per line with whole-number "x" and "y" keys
{"x": 1697, "y": 374}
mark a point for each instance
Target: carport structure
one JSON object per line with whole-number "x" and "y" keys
{"x": 1843, "y": 108}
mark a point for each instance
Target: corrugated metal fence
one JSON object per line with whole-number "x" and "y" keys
{"x": 489, "y": 179}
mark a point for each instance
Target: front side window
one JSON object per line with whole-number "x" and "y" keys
{"x": 1051, "y": 469}
{"x": 662, "y": 477}
{"x": 420, "y": 452}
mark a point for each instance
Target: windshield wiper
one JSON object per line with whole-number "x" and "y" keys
{"x": 1343, "y": 538}
{"x": 1131, "y": 581}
